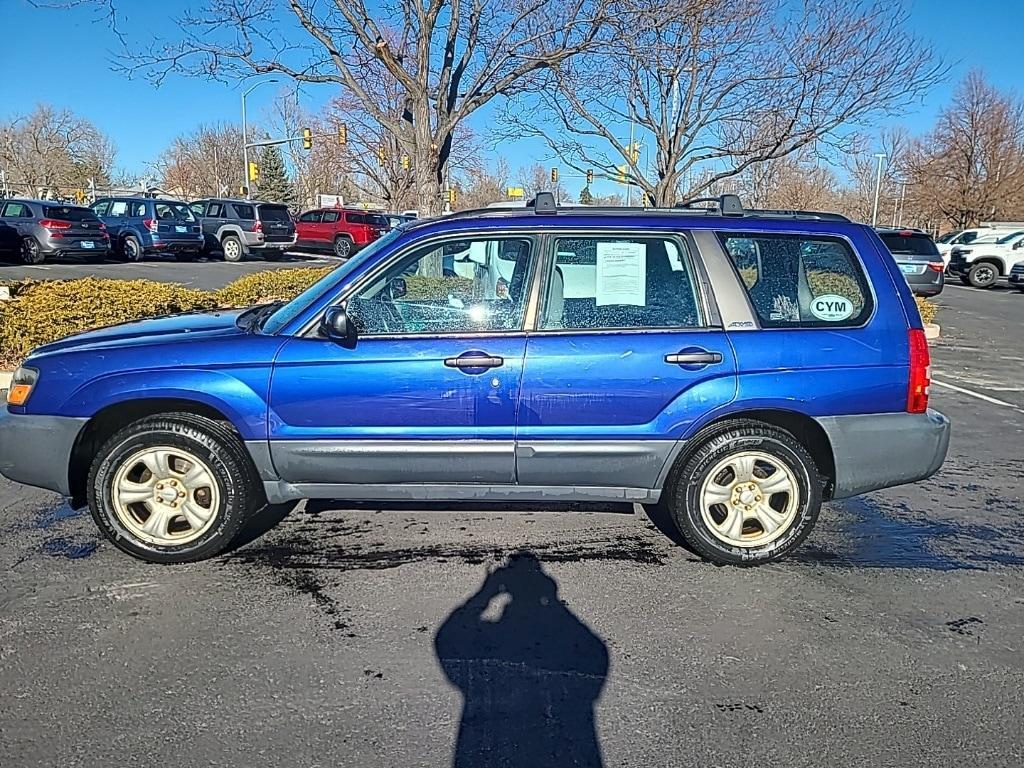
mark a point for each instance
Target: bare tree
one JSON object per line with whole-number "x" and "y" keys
{"x": 206, "y": 162}
{"x": 446, "y": 58}
{"x": 971, "y": 166}
{"x": 54, "y": 152}
{"x": 697, "y": 91}
{"x": 799, "y": 181}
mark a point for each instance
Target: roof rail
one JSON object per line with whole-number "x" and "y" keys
{"x": 544, "y": 204}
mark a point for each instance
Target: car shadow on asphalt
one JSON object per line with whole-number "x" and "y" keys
{"x": 529, "y": 670}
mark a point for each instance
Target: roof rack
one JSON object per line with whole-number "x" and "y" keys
{"x": 543, "y": 204}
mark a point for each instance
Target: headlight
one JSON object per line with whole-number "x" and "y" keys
{"x": 22, "y": 383}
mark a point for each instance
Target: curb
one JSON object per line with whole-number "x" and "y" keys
{"x": 931, "y": 331}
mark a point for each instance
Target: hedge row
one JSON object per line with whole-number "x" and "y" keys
{"x": 43, "y": 311}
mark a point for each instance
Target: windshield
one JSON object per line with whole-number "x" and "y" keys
{"x": 1007, "y": 238}
{"x": 69, "y": 213}
{"x": 376, "y": 220}
{"x": 947, "y": 237}
{"x": 293, "y": 308}
{"x": 274, "y": 213}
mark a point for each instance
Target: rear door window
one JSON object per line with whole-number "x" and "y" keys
{"x": 797, "y": 281}
{"x": 609, "y": 282}
{"x": 330, "y": 217}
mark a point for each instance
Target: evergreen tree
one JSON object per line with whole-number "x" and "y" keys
{"x": 274, "y": 185}
{"x": 585, "y": 197}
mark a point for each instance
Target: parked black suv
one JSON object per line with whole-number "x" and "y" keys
{"x": 33, "y": 230}
{"x": 242, "y": 227}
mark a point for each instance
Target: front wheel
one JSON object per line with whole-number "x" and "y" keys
{"x": 983, "y": 275}
{"x": 173, "y": 488}
{"x": 747, "y": 495}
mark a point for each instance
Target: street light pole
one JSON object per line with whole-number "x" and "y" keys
{"x": 245, "y": 136}
{"x": 878, "y": 188}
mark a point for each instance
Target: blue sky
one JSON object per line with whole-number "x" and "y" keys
{"x": 142, "y": 120}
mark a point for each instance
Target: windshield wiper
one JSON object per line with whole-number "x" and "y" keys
{"x": 253, "y": 319}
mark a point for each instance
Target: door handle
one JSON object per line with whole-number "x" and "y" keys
{"x": 694, "y": 358}
{"x": 474, "y": 361}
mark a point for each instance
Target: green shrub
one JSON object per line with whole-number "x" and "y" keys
{"x": 928, "y": 309}
{"x": 432, "y": 288}
{"x": 272, "y": 285}
{"x": 48, "y": 310}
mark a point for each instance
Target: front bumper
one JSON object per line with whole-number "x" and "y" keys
{"x": 881, "y": 450}
{"x": 36, "y": 450}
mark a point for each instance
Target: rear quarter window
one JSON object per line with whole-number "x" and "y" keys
{"x": 800, "y": 281}
{"x": 244, "y": 211}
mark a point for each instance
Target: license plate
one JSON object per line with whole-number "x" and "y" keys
{"x": 181, "y": 229}
{"x": 910, "y": 269}
{"x": 89, "y": 244}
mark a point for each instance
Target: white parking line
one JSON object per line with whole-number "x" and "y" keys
{"x": 979, "y": 395}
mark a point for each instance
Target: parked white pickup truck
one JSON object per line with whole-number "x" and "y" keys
{"x": 984, "y": 261}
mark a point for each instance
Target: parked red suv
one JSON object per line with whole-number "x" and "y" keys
{"x": 341, "y": 230}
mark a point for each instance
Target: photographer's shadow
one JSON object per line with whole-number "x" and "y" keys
{"x": 530, "y": 673}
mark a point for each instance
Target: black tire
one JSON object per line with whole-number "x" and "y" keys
{"x": 232, "y": 248}
{"x": 31, "y": 251}
{"x": 983, "y": 275}
{"x": 685, "y": 483}
{"x": 131, "y": 249}
{"x": 214, "y": 443}
{"x": 342, "y": 247}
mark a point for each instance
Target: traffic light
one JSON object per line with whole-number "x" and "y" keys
{"x": 254, "y": 171}
{"x": 451, "y": 197}
{"x": 243, "y": 190}
{"x": 343, "y": 134}
{"x": 554, "y": 175}
{"x": 622, "y": 173}
{"x": 590, "y": 177}
{"x": 307, "y": 138}
{"x": 634, "y": 152}
{"x": 405, "y": 162}
{"x": 645, "y": 200}
{"x": 381, "y": 156}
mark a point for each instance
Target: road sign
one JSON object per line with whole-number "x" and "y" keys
{"x": 515, "y": 192}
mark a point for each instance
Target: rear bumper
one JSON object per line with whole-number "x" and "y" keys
{"x": 882, "y": 450}
{"x": 36, "y": 450}
{"x": 176, "y": 245}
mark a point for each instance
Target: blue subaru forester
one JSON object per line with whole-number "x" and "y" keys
{"x": 736, "y": 367}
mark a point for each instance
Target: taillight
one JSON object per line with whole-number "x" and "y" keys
{"x": 936, "y": 266}
{"x": 257, "y": 226}
{"x": 103, "y": 227}
{"x": 920, "y": 372}
{"x": 52, "y": 224}
{"x": 151, "y": 224}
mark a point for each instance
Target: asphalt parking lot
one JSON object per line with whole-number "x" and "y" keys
{"x": 404, "y": 636}
{"x": 204, "y": 273}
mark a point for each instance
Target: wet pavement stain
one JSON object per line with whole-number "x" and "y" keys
{"x": 72, "y": 550}
{"x": 48, "y": 518}
{"x": 876, "y": 535}
{"x": 307, "y": 583}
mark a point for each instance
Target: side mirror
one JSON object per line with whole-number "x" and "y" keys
{"x": 336, "y": 326}
{"x": 1018, "y": 245}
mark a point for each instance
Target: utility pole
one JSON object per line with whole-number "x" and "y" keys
{"x": 245, "y": 136}
{"x": 878, "y": 188}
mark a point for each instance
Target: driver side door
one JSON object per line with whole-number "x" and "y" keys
{"x": 429, "y": 391}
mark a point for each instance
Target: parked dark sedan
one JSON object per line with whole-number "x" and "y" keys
{"x": 918, "y": 258}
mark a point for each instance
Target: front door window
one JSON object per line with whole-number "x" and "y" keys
{"x": 476, "y": 285}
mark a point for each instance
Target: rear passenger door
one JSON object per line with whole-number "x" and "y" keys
{"x": 627, "y": 353}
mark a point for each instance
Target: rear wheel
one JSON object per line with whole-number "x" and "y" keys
{"x": 131, "y": 248}
{"x": 232, "y": 248}
{"x": 31, "y": 253}
{"x": 173, "y": 488}
{"x": 983, "y": 275}
{"x": 748, "y": 495}
{"x": 342, "y": 247}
